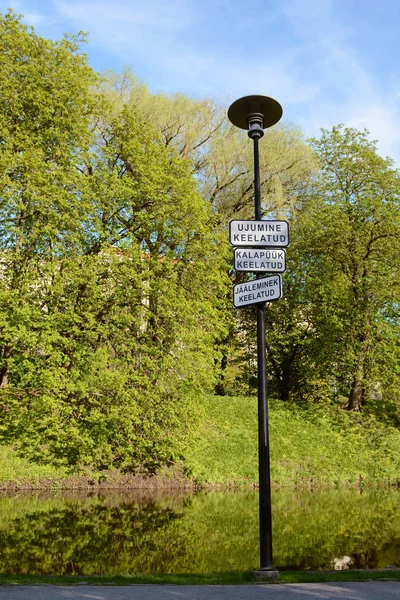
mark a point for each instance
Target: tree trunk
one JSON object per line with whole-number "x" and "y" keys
{"x": 4, "y": 376}
{"x": 357, "y": 391}
{"x": 284, "y": 384}
{"x": 5, "y": 369}
{"x": 282, "y": 371}
{"x": 356, "y": 397}
{"x": 220, "y": 385}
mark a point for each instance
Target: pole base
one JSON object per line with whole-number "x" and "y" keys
{"x": 266, "y": 574}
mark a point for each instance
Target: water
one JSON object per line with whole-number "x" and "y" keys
{"x": 146, "y": 532}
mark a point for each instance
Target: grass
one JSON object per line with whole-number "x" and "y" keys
{"x": 335, "y": 576}
{"x": 18, "y": 470}
{"x": 314, "y": 445}
{"x": 311, "y": 445}
{"x": 230, "y": 578}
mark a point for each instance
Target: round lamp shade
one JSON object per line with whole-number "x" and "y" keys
{"x": 240, "y": 110}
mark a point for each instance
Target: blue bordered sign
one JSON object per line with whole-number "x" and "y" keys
{"x": 255, "y": 291}
{"x": 266, "y": 234}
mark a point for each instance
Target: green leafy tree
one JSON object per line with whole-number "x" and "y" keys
{"x": 299, "y": 330}
{"x": 44, "y": 117}
{"x": 354, "y": 239}
{"x": 111, "y": 289}
{"x": 221, "y": 159}
{"x": 336, "y": 330}
{"x": 220, "y": 155}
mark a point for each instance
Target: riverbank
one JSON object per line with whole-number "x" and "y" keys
{"x": 19, "y": 474}
{"x": 229, "y": 578}
{"x": 311, "y": 446}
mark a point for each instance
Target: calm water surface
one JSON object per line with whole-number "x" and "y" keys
{"x": 174, "y": 533}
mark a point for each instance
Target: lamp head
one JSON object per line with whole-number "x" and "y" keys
{"x": 255, "y": 113}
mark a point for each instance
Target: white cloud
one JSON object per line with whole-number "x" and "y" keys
{"x": 137, "y": 32}
{"x": 383, "y": 122}
{"x": 34, "y": 18}
{"x": 31, "y": 17}
{"x": 348, "y": 92}
{"x": 124, "y": 22}
{"x": 158, "y": 35}
{"x": 320, "y": 78}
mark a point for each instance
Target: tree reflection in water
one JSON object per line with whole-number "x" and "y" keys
{"x": 167, "y": 533}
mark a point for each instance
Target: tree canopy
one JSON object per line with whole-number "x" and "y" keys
{"x": 115, "y": 270}
{"x": 112, "y": 270}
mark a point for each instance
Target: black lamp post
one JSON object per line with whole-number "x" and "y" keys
{"x": 256, "y": 113}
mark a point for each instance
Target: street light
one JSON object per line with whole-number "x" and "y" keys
{"x": 256, "y": 113}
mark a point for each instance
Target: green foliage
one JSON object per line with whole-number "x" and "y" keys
{"x": 115, "y": 297}
{"x": 337, "y": 326}
{"x": 112, "y": 284}
{"x": 353, "y": 231}
{"x": 221, "y": 156}
{"x": 315, "y": 444}
{"x": 19, "y": 471}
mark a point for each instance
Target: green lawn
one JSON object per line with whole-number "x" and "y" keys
{"x": 19, "y": 471}
{"x": 314, "y": 445}
{"x": 231, "y": 578}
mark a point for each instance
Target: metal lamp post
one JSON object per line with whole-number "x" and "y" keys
{"x": 254, "y": 114}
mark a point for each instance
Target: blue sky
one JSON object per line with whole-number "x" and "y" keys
{"x": 325, "y": 61}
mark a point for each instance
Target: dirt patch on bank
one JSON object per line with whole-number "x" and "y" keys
{"x": 170, "y": 479}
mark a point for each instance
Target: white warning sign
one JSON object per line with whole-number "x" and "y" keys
{"x": 259, "y": 233}
{"x": 254, "y": 260}
{"x": 264, "y": 289}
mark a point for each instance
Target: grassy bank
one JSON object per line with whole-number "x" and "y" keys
{"x": 18, "y": 471}
{"x": 231, "y": 578}
{"x": 310, "y": 446}
{"x": 313, "y": 445}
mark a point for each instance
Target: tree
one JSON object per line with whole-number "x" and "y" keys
{"x": 44, "y": 116}
{"x": 111, "y": 283}
{"x": 221, "y": 159}
{"x": 355, "y": 241}
{"x": 147, "y": 200}
{"x": 220, "y": 155}
{"x": 336, "y": 329}
{"x": 300, "y": 332}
